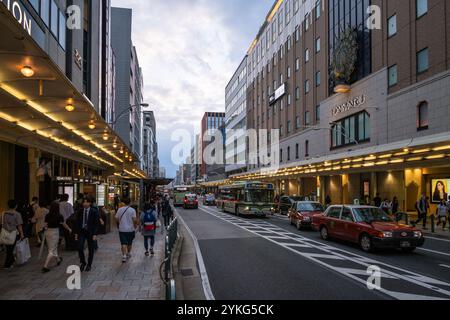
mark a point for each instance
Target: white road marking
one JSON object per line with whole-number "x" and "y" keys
{"x": 444, "y": 266}
{"x": 298, "y": 245}
{"x": 358, "y": 260}
{"x": 363, "y": 273}
{"x": 434, "y": 251}
{"x": 437, "y": 239}
{"x": 323, "y": 256}
{"x": 201, "y": 264}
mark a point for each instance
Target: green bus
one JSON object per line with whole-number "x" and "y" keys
{"x": 247, "y": 199}
{"x": 179, "y": 193}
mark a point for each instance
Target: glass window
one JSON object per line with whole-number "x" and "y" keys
{"x": 62, "y": 30}
{"x": 45, "y": 10}
{"x": 422, "y": 61}
{"x": 347, "y": 215}
{"x": 317, "y": 45}
{"x": 334, "y": 212}
{"x": 318, "y": 113}
{"x": 35, "y": 5}
{"x": 54, "y": 13}
{"x": 421, "y": 7}
{"x": 318, "y": 8}
{"x": 297, "y": 64}
{"x": 297, "y": 151}
{"x": 307, "y": 55}
{"x": 422, "y": 122}
{"x": 306, "y": 148}
{"x": 298, "y": 123}
{"x": 392, "y": 74}
{"x": 307, "y": 118}
{"x": 318, "y": 78}
{"x": 307, "y": 86}
{"x": 392, "y": 25}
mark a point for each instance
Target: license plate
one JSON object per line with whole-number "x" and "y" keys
{"x": 405, "y": 244}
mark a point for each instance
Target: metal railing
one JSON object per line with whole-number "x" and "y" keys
{"x": 165, "y": 270}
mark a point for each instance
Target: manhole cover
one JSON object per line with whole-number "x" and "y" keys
{"x": 187, "y": 272}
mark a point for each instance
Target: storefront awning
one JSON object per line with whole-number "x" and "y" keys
{"x": 36, "y": 102}
{"x": 418, "y": 152}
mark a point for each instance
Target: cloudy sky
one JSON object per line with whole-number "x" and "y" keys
{"x": 188, "y": 50}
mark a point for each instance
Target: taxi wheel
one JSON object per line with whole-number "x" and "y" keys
{"x": 324, "y": 233}
{"x": 366, "y": 243}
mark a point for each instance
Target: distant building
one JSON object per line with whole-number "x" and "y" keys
{"x": 211, "y": 122}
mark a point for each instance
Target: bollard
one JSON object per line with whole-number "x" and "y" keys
{"x": 433, "y": 227}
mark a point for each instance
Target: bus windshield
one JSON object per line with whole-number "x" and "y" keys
{"x": 254, "y": 196}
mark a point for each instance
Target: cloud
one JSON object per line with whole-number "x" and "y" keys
{"x": 188, "y": 50}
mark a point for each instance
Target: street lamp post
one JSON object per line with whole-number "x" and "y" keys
{"x": 126, "y": 111}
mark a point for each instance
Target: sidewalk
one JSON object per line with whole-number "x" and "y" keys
{"x": 109, "y": 279}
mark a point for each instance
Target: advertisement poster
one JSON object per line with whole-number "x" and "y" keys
{"x": 439, "y": 190}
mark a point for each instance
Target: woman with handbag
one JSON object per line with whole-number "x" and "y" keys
{"x": 149, "y": 224}
{"x": 53, "y": 221}
{"x": 11, "y": 225}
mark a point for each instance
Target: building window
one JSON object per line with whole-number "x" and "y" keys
{"x": 307, "y": 119}
{"x": 297, "y": 64}
{"x": 297, "y": 93}
{"x": 421, "y": 8}
{"x": 281, "y": 79}
{"x": 307, "y": 22}
{"x": 306, "y": 148}
{"x": 281, "y": 131}
{"x": 317, "y": 45}
{"x": 392, "y": 26}
{"x": 307, "y": 55}
{"x": 289, "y": 43}
{"x": 296, "y": 5}
{"x": 392, "y": 75}
{"x": 62, "y": 30}
{"x": 289, "y": 100}
{"x": 352, "y": 130}
{"x": 289, "y": 154}
{"x": 297, "y": 151}
{"x": 422, "y": 116}
{"x": 289, "y": 127}
{"x": 318, "y": 9}
{"x": 307, "y": 85}
{"x": 281, "y": 52}
{"x": 289, "y": 72}
{"x": 280, "y": 21}
{"x": 281, "y": 155}
{"x": 318, "y": 113}
{"x": 298, "y": 123}
{"x": 54, "y": 18}
{"x": 297, "y": 34}
{"x": 318, "y": 78}
{"x": 45, "y": 10}
{"x": 422, "y": 61}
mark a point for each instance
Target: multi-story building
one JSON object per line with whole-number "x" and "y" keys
{"x": 162, "y": 172}
{"x": 53, "y": 138}
{"x": 129, "y": 83}
{"x": 195, "y": 167}
{"x": 211, "y": 123}
{"x": 360, "y": 110}
{"x": 150, "y": 146}
{"x": 236, "y": 121}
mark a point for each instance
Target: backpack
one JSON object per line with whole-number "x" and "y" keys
{"x": 149, "y": 221}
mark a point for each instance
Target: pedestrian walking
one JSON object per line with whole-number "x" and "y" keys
{"x": 148, "y": 224}
{"x": 442, "y": 213}
{"x": 377, "y": 201}
{"x": 422, "y": 207}
{"x": 66, "y": 210}
{"x": 167, "y": 212}
{"x": 54, "y": 220}
{"x": 86, "y": 230}
{"x": 126, "y": 218}
{"x": 39, "y": 222}
{"x": 386, "y": 206}
{"x": 11, "y": 230}
{"x": 328, "y": 201}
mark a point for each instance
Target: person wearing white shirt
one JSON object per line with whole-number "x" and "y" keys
{"x": 127, "y": 221}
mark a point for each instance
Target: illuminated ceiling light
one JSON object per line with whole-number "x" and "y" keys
{"x": 342, "y": 88}
{"x": 27, "y": 71}
{"x": 440, "y": 156}
{"x": 105, "y": 136}
{"x": 92, "y": 125}
{"x": 441, "y": 148}
{"x": 406, "y": 150}
{"x": 70, "y": 107}
{"x": 115, "y": 145}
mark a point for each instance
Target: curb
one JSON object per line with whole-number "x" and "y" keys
{"x": 176, "y": 254}
{"x": 200, "y": 263}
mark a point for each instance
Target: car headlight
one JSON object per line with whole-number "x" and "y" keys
{"x": 387, "y": 234}
{"x": 306, "y": 218}
{"x": 418, "y": 234}
{"x": 247, "y": 209}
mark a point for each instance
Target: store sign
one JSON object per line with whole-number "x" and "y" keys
{"x": 101, "y": 195}
{"x": 281, "y": 91}
{"x": 64, "y": 179}
{"x": 351, "y": 104}
{"x": 19, "y": 13}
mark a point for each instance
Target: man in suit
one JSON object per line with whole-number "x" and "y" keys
{"x": 86, "y": 229}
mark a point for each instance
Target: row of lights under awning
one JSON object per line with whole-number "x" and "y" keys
{"x": 405, "y": 156}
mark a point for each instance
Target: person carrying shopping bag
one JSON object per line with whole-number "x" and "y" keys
{"x": 11, "y": 226}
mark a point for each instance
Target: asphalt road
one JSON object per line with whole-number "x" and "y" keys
{"x": 268, "y": 259}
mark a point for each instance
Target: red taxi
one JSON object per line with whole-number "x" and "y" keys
{"x": 370, "y": 227}
{"x": 301, "y": 213}
{"x": 190, "y": 201}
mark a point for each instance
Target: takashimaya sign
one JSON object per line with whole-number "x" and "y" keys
{"x": 351, "y": 104}
{"x": 19, "y": 13}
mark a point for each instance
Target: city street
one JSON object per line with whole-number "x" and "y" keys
{"x": 251, "y": 258}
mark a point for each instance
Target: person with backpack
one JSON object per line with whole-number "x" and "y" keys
{"x": 442, "y": 214}
{"x": 148, "y": 221}
{"x": 422, "y": 207}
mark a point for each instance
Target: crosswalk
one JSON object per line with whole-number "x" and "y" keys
{"x": 396, "y": 283}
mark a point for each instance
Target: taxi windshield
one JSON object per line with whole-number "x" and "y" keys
{"x": 309, "y": 207}
{"x": 370, "y": 215}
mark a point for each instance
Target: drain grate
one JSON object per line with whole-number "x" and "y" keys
{"x": 187, "y": 272}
